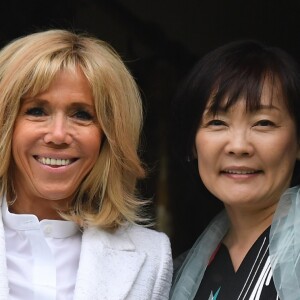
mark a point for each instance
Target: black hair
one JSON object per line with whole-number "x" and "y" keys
{"x": 234, "y": 71}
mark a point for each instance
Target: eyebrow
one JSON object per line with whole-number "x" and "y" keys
{"x": 270, "y": 106}
{"x": 40, "y": 101}
{"x": 28, "y": 100}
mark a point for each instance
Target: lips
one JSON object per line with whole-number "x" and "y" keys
{"x": 49, "y": 161}
{"x": 240, "y": 171}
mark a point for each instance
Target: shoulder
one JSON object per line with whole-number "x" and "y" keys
{"x": 156, "y": 246}
{"x": 146, "y": 238}
{"x": 151, "y": 247}
{"x": 128, "y": 237}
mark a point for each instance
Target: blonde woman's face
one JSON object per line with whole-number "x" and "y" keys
{"x": 56, "y": 142}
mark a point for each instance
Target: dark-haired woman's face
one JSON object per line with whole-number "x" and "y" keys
{"x": 247, "y": 158}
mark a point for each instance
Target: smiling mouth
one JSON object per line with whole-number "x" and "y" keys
{"x": 241, "y": 172}
{"x": 55, "y": 162}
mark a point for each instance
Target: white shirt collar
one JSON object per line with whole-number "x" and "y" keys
{"x": 52, "y": 228}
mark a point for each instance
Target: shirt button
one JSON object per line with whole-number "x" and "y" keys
{"x": 47, "y": 229}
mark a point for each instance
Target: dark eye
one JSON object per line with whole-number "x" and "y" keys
{"x": 83, "y": 115}
{"x": 35, "y": 111}
{"x": 216, "y": 123}
{"x": 264, "y": 123}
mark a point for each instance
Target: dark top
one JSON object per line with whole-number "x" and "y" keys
{"x": 252, "y": 279}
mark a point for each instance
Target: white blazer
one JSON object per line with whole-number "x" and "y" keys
{"x": 133, "y": 263}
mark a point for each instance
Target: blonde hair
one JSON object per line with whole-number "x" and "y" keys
{"x": 28, "y": 65}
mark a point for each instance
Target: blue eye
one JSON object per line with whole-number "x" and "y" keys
{"x": 83, "y": 115}
{"x": 35, "y": 111}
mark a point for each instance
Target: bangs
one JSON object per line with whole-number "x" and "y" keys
{"x": 246, "y": 86}
{"x": 44, "y": 71}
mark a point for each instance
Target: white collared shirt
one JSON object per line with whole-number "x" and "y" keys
{"x": 42, "y": 256}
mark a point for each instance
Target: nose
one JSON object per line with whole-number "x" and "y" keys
{"x": 58, "y": 131}
{"x": 239, "y": 143}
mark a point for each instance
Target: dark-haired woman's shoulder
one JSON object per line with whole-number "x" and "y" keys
{"x": 178, "y": 261}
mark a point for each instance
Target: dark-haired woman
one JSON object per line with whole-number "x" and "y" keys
{"x": 239, "y": 115}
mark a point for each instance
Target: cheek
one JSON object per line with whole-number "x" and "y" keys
{"x": 205, "y": 170}
{"x": 284, "y": 149}
{"x": 207, "y": 158}
{"x": 21, "y": 141}
{"x": 93, "y": 142}
{"x": 205, "y": 149}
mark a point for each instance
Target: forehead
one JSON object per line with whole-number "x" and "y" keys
{"x": 66, "y": 86}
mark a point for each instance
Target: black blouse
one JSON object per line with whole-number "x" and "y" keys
{"x": 252, "y": 281}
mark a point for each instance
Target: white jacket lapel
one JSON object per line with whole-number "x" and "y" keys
{"x": 108, "y": 267}
{"x": 3, "y": 269}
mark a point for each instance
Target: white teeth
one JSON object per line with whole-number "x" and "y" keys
{"x": 53, "y": 161}
{"x": 239, "y": 172}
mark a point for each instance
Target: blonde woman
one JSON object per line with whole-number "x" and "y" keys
{"x": 70, "y": 119}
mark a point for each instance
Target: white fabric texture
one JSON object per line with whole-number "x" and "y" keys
{"x": 284, "y": 251}
{"x": 132, "y": 263}
{"x": 42, "y": 256}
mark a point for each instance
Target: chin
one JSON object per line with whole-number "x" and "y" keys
{"x": 57, "y": 196}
